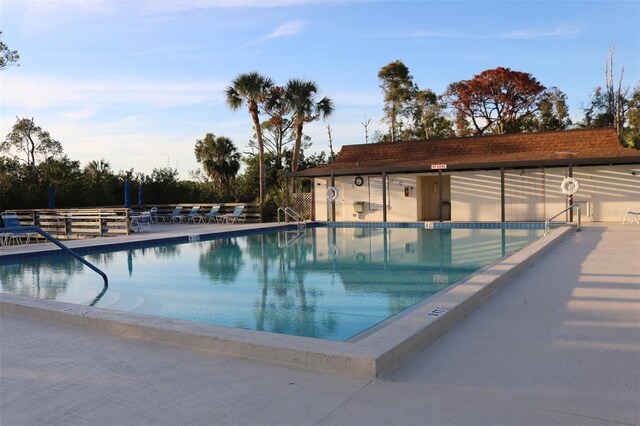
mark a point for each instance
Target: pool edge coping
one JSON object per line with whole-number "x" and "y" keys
{"x": 381, "y": 352}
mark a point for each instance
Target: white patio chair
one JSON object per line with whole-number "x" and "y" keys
{"x": 634, "y": 216}
{"x": 140, "y": 220}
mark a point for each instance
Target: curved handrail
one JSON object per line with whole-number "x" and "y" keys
{"x": 547, "y": 223}
{"x": 288, "y": 211}
{"x": 294, "y": 214}
{"x": 54, "y": 240}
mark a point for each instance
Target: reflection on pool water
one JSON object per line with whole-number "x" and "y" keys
{"x": 330, "y": 283}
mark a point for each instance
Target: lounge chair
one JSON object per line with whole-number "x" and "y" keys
{"x": 154, "y": 214}
{"x": 5, "y": 239}
{"x": 191, "y": 217}
{"x": 169, "y": 218}
{"x": 213, "y": 216}
{"x": 11, "y": 220}
{"x": 234, "y": 217}
{"x": 140, "y": 220}
{"x": 631, "y": 212}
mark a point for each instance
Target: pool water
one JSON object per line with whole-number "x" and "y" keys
{"x": 329, "y": 283}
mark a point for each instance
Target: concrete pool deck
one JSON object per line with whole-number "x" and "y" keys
{"x": 559, "y": 345}
{"x": 379, "y": 350}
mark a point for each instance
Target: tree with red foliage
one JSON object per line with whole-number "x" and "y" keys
{"x": 495, "y": 101}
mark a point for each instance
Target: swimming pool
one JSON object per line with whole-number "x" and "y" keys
{"x": 324, "y": 282}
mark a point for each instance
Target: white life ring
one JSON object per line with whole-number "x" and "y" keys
{"x": 332, "y": 193}
{"x": 570, "y": 186}
{"x": 333, "y": 251}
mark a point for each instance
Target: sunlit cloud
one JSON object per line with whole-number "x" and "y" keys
{"x": 43, "y": 7}
{"x": 565, "y": 30}
{"x": 41, "y": 15}
{"x": 561, "y": 31}
{"x": 134, "y": 135}
{"x": 285, "y": 30}
{"x": 78, "y": 114}
{"x": 427, "y": 34}
{"x": 183, "y": 5}
{"x": 35, "y": 92}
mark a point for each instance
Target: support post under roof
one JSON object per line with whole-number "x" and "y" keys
{"x": 384, "y": 197}
{"x": 333, "y": 203}
{"x": 440, "y": 195}
{"x": 502, "y": 203}
{"x": 571, "y": 196}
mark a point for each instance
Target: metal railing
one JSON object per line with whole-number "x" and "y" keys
{"x": 289, "y": 212}
{"x": 288, "y": 241}
{"x": 547, "y": 223}
{"x": 30, "y": 229}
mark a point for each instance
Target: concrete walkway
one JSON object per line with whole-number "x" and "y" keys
{"x": 559, "y": 345}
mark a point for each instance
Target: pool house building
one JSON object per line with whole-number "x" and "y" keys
{"x": 511, "y": 177}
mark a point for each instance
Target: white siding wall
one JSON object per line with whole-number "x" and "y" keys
{"x": 399, "y": 207}
{"x": 609, "y": 190}
{"x": 320, "y": 198}
{"x": 554, "y": 199}
{"x": 605, "y": 191}
{"x": 475, "y": 196}
{"x": 605, "y": 194}
{"x": 524, "y": 195}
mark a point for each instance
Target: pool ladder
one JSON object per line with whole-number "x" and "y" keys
{"x": 288, "y": 242}
{"x": 291, "y": 213}
{"x": 54, "y": 240}
{"x": 547, "y": 224}
{"x": 301, "y": 224}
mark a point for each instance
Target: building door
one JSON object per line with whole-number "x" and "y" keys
{"x": 430, "y": 209}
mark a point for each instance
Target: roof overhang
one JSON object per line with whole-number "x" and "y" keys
{"x": 564, "y": 162}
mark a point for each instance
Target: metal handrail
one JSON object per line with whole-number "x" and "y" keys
{"x": 547, "y": 223}
{"x": 54, "y": 240}
{"x": 288, "y": 211}
{"x": 300, "y": 233}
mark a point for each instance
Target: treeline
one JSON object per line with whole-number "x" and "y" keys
{"x": 498, "y": 101}
{"x": 25, "y": 179}
{"x": 25, "y": 187}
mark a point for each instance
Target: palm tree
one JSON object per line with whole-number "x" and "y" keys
{"x": 252, "y": 89}
{"x": 220, "y": 160}
{"x": 97, "y": 169}
{"x": 300, "y": 96}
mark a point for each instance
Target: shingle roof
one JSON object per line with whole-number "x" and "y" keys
{"x": 585, "y": 146}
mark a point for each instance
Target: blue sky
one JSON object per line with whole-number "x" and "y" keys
{"x": 138, "y": 82}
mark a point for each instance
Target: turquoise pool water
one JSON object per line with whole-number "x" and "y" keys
{"x": 329, "y": 283}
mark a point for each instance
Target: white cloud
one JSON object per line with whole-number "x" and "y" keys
{"x": 181, "y": 5}
{"x": 427, "y": 34}
{"x": 43, "y": 15}
{"x": 285, "y": 30}
{"x": 125, "y": 143}
{"x": 561, "y": 31}
{"x": 36, "y": 92}
{"x": 78, "y": 114}
{"x": 564, "y": 30}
